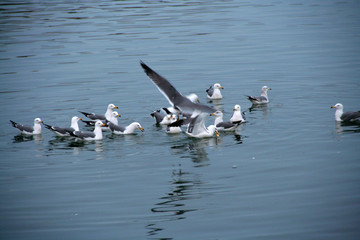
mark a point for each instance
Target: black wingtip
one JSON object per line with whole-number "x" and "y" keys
{"x": 47, "y": 125}
{"x": 166, "y": 110}
{"x": 177, "y": 123}
{"x": 13, "y": 123}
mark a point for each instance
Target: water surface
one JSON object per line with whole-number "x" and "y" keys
{"x": 290, "y": 172}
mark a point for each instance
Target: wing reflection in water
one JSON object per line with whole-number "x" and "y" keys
{"x": 185, "y": 186}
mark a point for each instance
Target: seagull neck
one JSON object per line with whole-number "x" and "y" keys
{"x": 113, "y": 120}
{"x": 98, "y": 132}
{"x": 74, "y": 125}
{"x": 108, "y": 114}
{"x": 338, "y": 114}
{"x": 37, "y": 128}
{"x": 218, "y": 120}
{"x": 264, "y": 94}
{"x": 217, "y": 92}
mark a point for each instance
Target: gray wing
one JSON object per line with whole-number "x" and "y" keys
{"x": 243, "y": 115}
{"x": 226, "y": 125}
{"x": 350, "y": 116}
{"x": 21, "y": 127}
{"x": 94, "y": 116}
{"x": 114, "y": 127}
{"x": 259, "y": 99}
{"x": 172, "y": 95}
{"x": 210, "y": 91}
{"x": 59, "y": 129}
{"x": 158, "y": 116}
{"x": 80, "y": 134}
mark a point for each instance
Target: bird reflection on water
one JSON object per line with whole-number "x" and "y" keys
{"x": 347, "y": 127}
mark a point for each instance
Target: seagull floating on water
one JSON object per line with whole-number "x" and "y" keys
{"x": 130, "y": 129}
{"x": 95, "y": 135}
{"x": 224, "y": 126}
{"x": 161, "y": 118}
{"x": 213, "y": 92}
{"x": 238, "y": 115}
{"x": 29, "y": 130}
{"x": 341, "y": 116}
{"x": 112, "y": 118}
{"x": 263, "y": 97}
{"x": 65, "y": 131}
{"x": 104, "y": 117}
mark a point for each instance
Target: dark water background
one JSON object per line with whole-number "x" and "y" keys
{"x": 290, "y": 173}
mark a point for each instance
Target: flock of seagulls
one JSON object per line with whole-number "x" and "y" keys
{"x": 184, "y": 111}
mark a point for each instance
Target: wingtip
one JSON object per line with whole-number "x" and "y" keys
{"x": 13, "y": 123}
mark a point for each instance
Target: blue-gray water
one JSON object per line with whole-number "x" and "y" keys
{"x": 291, "y": 172}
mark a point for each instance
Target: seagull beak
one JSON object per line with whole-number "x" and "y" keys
{"x": 80, "y": 119}
{"x": 212, "y": 114}
{"x": 198, "y": 100}
{"x": 269, "y": 88}
{"x": 119, "y": 115}
{"x": 141, "y": 129}
{"x": 332, "y": 107}
{"x": 41, "y": 121}
{"x": 234, "y": 109}
{"x": 103, "y": 125}
{"x": 217, "y": 133}
{"x": 221, "y": 87}
{"x": 116, "y": 107}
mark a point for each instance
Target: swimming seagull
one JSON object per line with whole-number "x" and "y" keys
{"x": 125, "y": 130}
{"x": 221, "y": 125}
{"x": 106, "y": 116}
{"x": 95, "y": 135}
{"x": 341, "y": 116}
{"x": 213, "y": 92}
{"x": 112, "y": 118}
{"x": 176, "y": 99}
{"x": 238, "y": 115}
{"x": 65, "y": 131}
{"x": 263, "y": 97}
{"x": 29, "y": 130}
{"x": 161, "y": 118}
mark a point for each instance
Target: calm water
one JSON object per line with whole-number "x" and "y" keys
{"x": 289, "y": 173}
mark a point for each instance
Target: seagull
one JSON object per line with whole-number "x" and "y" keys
{"x": 161, "y": 118}
{"x": 213, "y": 92}
{"x": 176, "y": 99}
{"x": 238, "y": 115}
{"x": 224, "y": 126}
{"x": 341, "y": 116}
{"x": 125, "y": 130}
{"x": 174, "y": 129}
{"x": 66, "y": 130}
{"x": 29, "y": 130}
{"x": 263, "y": 97}
{"x": 112, "y": 118}
{"x": 106, "y": 116}
{"x": 95, "y": 135}
{"x": 197, "y": 129}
